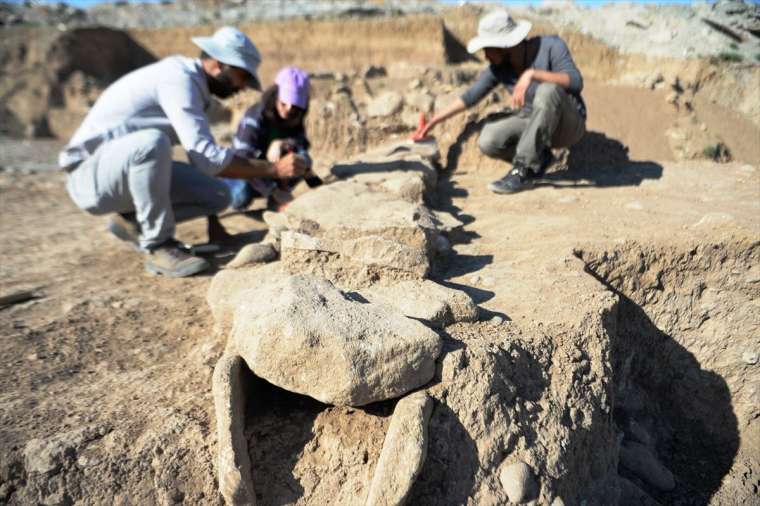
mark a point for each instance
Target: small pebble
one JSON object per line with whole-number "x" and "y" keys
{"x": 497, "y": 320}
{"x": 750, "y": 357}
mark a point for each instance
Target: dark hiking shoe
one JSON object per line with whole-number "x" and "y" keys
{"x": 516, "y": 180}
{"x": 547, "y": 160}
{"x": 125, "y": 229}
{"x": 172, "y": 260}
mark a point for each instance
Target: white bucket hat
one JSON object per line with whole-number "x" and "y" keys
{"x": 231, "y": 46}
{"x": 498, "y": 29}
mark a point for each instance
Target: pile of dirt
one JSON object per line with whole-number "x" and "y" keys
{"x": 49, "y": 79}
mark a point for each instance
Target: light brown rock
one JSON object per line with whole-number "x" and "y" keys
{"x": 404, "y": 451}
{"x": 518, "y": 482}
{"x": 304, "y": 335}
{"x": 426, "y": 300}
{"x": 385, "y": 104}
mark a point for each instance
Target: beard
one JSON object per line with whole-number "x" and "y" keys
{"x": 221, "y": 86}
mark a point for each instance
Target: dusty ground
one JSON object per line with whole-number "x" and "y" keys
{"x": 105, "y": 384}
{"x": 123, "y": 360}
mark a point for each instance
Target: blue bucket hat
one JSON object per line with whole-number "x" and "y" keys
{"x": 231, "y": 46}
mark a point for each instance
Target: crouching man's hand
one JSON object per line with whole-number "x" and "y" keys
{"x": 289, "y": 166}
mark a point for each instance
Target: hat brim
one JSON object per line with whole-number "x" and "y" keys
{"x": 503, "y": 41}
{"x": 213, "y": 50}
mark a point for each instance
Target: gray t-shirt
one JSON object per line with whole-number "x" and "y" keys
{"x": 552, "y": 55}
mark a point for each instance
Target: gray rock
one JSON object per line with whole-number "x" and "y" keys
{"x": 426, "y": 300}
{"x": 353, "y": 232}
{"x": 404, "y": 451}
{"x": 385, "y": 104}
{"x": 311, "y": 339}
{"x": 519, "y": 482}
{"x": 420, "y": 101}
{"x": 640, "y": 461}
{"x": 253, "y": 254}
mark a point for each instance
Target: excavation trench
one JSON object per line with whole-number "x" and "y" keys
{"x": 684, "y": 355}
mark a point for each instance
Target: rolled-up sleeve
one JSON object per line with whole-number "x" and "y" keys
{"x": 183, "y": 105}
{"x": 475, "y": 93}
{"x": 561, "y": 61}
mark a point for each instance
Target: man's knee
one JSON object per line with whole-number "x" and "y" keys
{"x": 219, "y": 197}
{"x": 488, "y": 142}
{"x": 548, "y": 95}
{"x": 153, "y": 144}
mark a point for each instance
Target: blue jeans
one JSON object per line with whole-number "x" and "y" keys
{"x": 241, "y": 193}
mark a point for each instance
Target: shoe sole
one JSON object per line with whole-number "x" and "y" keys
{"x": 180, "y": 273}
{"x": 497, "y": 189}
{"x": 122, "y": 234}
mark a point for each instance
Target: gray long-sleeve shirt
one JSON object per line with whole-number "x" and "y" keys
{"x": 553, "y": 55}
{"x": 170, "y": 95}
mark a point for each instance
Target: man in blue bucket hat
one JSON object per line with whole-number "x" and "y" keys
{"x": 120, "y": 159}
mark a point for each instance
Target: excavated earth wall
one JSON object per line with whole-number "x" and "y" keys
{"x": 683, "y": 361}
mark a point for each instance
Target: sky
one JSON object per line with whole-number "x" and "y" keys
{"x": 593, "y": 3}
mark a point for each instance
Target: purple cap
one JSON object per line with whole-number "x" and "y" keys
{"x": 293, "y": 86}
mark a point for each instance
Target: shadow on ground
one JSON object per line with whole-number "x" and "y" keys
{"x": 685, "y": 410}
{"x": 596, "y": 161}
{"x": 599, "y": 161}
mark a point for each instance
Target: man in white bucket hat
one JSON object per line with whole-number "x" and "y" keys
{"x": 120, "y": 159}
{"x": 547, "y": 108}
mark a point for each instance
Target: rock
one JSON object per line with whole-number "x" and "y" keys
{"x": 414, "y": 84}
{"x": 253, "y": 254}
{"x": 518, "y": 482}
{"x": 369, "y": 250}
{"x": 750, "y": 357}
{"x": 377, "y": 172}
{"x": 442, "y": 245}
{"x": 640, "y": 461}
{"x": 420, "y": 101}
{"x": 353, "y": 232}
{"x": 404, "y": 451}
{"x": 408, "y": 150}
{"x": 634, "y": 205}
{"x": 46, "y": 456}
{"x": 41, "y": 457}
{"x": 497, "y": 320}
{"x": 409, "y": 187}
{"x": 425, "y": 300}
{"x": 406, "y": 70}
{"x": 632, "y": 494}
{"x": 385, "y": 104}
{"x": 310, "y": 338}
{"x": 229, "y": 287}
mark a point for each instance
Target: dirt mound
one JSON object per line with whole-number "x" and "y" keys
{"x": 49, "y": 80}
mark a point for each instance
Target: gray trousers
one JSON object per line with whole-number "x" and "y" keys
{"x": 554, "y": 122}
{"x": 135, "y": 173}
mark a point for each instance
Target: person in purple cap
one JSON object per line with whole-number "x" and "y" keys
{"x": 120, "y": 160}
{"x": 271, "y": 129}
